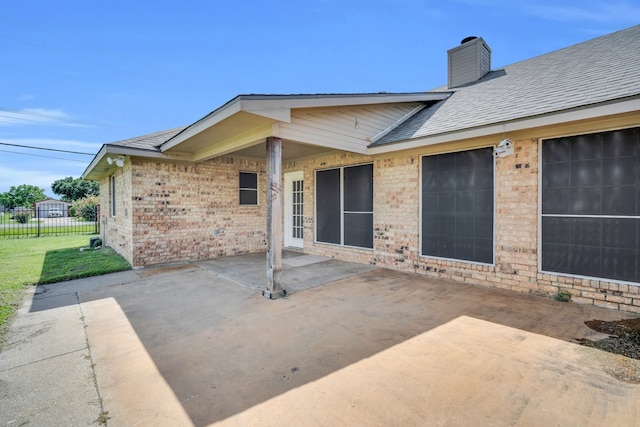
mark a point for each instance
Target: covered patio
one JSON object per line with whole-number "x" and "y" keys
{"x": 195, "y": 344}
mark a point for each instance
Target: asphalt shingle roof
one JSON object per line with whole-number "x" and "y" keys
{"x": 151, "y": 141}
{"x": 599, "y": 70}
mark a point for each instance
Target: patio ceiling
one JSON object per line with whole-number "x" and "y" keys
{"x": 243, "y": 134}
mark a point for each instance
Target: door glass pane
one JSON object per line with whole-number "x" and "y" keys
{"x": 297, "y": 209}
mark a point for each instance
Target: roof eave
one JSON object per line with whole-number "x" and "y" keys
{"x": 610, "y": 108}
{"x": 96, "y": 159}
{"x": 278, "y": 108}
{"x": 120, "y": 150}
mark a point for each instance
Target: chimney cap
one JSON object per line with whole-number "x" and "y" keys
{"x": 468, "y": 62}
{"x": 468, "y": 39}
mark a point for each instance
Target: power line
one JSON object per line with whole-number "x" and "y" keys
{"x": 47, "y": 149}
{"x": 38, "y": 155}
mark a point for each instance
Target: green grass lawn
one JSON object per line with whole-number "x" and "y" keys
{"x": 28, "y": 262}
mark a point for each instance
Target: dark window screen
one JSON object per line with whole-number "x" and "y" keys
{"x": 358, "y": 188}
{"x": 457, "y": 205}
{"x": 358, "y": 229}
{"x": 328, "y": 206}
{"x": 248, "y": 188}
{"x": 248, "y": 197}
{"x": 591, "y": 205}
{"x": 350, "y": 222}
{"x": 249, "y": 180}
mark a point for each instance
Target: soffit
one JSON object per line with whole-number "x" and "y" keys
{"x": 290, "y": 151}
{"x": 241, "y": 124}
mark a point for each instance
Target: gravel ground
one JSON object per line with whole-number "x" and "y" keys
{"x": 624, "y": 337}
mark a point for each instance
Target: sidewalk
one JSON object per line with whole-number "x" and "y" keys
{"x": 46, "y": 370}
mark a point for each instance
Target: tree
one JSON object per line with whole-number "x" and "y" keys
{"x": 73, "y": 189}
{"x": 22, "y": 195}
{"x": 86, "y": 207}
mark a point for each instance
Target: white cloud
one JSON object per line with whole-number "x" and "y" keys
{"x": 38, "y": 116}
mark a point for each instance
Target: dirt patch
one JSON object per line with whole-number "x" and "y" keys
{"x": 624, "y": 336}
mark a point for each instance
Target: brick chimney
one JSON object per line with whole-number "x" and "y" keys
{"x": 468, "y": 62}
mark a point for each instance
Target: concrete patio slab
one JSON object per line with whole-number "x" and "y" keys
{"x": 299, "y": 271}
{"x": 379, "y": 348}
{"x": 467, "y": 372}
{"x": 185, "y": 346}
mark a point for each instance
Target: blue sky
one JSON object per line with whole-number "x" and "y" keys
{"x": 78, "y": 74}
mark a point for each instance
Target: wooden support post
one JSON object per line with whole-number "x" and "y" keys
{"x": 274, "y": 219}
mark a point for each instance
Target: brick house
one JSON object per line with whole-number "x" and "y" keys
{"x": 524, "y": 178}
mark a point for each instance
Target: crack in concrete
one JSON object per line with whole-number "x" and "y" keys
{"x": 90, "y": 359}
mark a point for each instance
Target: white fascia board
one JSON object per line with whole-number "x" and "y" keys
{"x": 306, "y": 101}
{"x": 398, "y": 122}
{"x": 268, "y": 109}
{"x": 141, "y": 152}
{"x": 101, "y": 153}
{"x": 278, "y": 108}
{"x": 119, "y": 150}
{"x": 203, "y": 124}
{"x": 593, "y": 112}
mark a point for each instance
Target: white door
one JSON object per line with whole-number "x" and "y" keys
{"x": 293, "y": 209}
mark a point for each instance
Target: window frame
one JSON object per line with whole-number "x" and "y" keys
{"x": 541, "y": 215}
{"x": 256, "y": 189}
{"x": 420, "y": 213}
{"x": 112, "y": 194}
{"x": 342, "y": 206}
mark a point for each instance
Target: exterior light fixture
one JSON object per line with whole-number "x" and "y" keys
{"x": 119, "y": 161}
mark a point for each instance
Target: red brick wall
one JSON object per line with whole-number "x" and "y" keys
{"x": 185, "y": 211}
{"x": 118, "y": 229}
{"x": 396, "y": 223}
{"x": 309, "y": 167}
{"x": 176, "y": 212}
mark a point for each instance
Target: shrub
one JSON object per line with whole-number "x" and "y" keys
{"x": 562, "y": 296}
{"x": 22, "y": 217}
{"x": 86, "y": 208}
